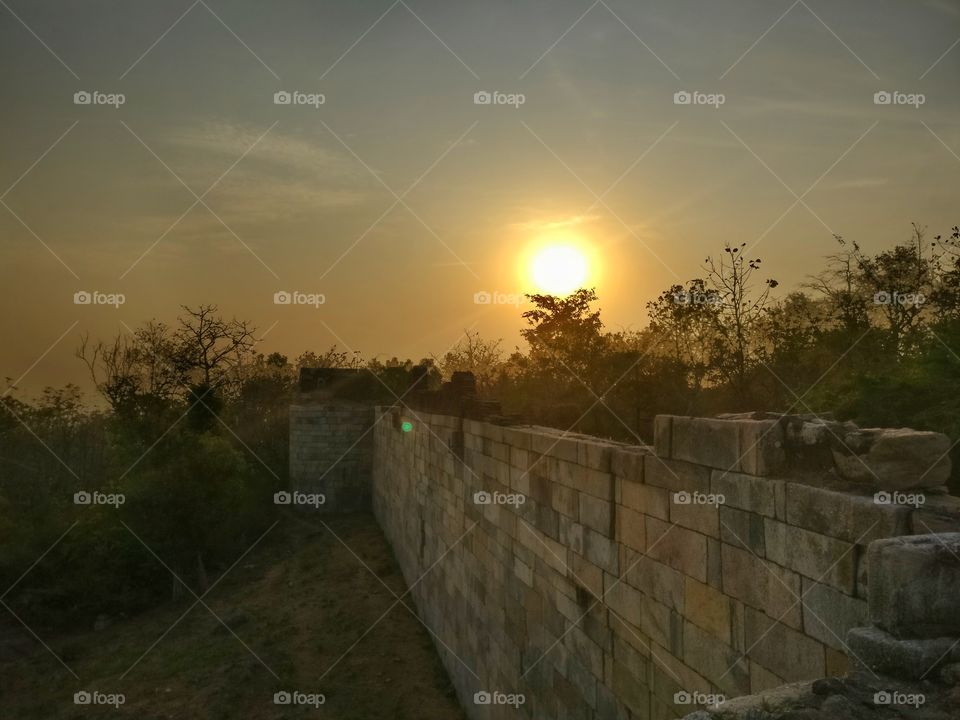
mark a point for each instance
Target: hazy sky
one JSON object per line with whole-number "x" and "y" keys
{"x": 315, "y": 199}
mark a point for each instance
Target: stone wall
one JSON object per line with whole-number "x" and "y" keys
{"x": 331, "y": 455}
{"x": 630, "y": 582}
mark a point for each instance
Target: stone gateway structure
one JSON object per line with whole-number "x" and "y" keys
{"x": 564, "y": 576}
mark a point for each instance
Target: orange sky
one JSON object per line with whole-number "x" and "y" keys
{"x": 399, "y": 198}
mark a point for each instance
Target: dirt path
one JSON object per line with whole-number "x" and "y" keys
{"x": 300, "y": 607}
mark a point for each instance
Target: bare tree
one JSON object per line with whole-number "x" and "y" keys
{"x": 134, "y": 365}
{"x": 740, "y": 310}
{"x": 209, "y": 350}
{"x": 473, "y": 354}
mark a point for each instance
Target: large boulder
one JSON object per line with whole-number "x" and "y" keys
{"x": 914, "y": 585}
{"x": 888, "y": 459}
{"x": 910, "y": 659}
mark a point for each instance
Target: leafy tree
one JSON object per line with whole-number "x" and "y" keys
{"x": 685, "y": 322}
{"x": 899, "y": 281}
{"x": 564, "y": 334}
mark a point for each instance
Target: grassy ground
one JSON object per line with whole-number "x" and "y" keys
{"x": 299, "y": 601}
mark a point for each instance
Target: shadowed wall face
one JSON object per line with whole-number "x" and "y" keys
{"x": 593, "y": 578}
{"x": 331, "y": 455}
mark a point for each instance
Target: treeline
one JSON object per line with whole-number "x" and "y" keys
{"x": 178, "y": 470}
{"x": 874, "y": 338}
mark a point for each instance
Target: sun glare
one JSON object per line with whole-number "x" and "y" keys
{"x": 559, "y": 269}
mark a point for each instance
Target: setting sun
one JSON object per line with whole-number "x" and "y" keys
{"x": 559, "y": 269}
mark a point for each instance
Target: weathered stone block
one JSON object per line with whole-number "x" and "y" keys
{"x": 811, "y": 554}
{"x": 596, "y": 454}
{"x": 662, "y": 583}
{"x": 762, "y": 585}
{"x": 782, "y": 650}
{"x": 708, "y": 608}
{"x": 662, "y": 426}
{"x": 745, "y": 492}
{"x": 687, "y": 512}
{"x": 939, "y": 514}
{"x": 586, "y": 574}
{"x": 742, "y": 530}
{"x": 762, "y": 447}
{"x": 838, "y": 663}
{"x": 601, "y": 550}
{"x": 762, "y": 679}
{"x": 596, "y": 483}
{"x": 627, "y": 463}
{"x": 705, "y": 441}
{"x": 828, "y": 615}
{"x": 915, "y": 585}
{"x": 646, "y": 499}
{"x": 681, "y": 549}
{"x": 912, "y": 658}
{"x": 631, "y": 528}
{"x": 674, "y": 475}
{"x": 854, "y": 518}
{"x": 624, "y": 632}
{"x": 894, "y": 459}
{"x": 630, "y": 691}
{"x": 716, "y": 661}
{"x": 596, "y": 514}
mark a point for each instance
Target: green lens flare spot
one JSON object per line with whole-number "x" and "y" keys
{"x": 406, "y": 426}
